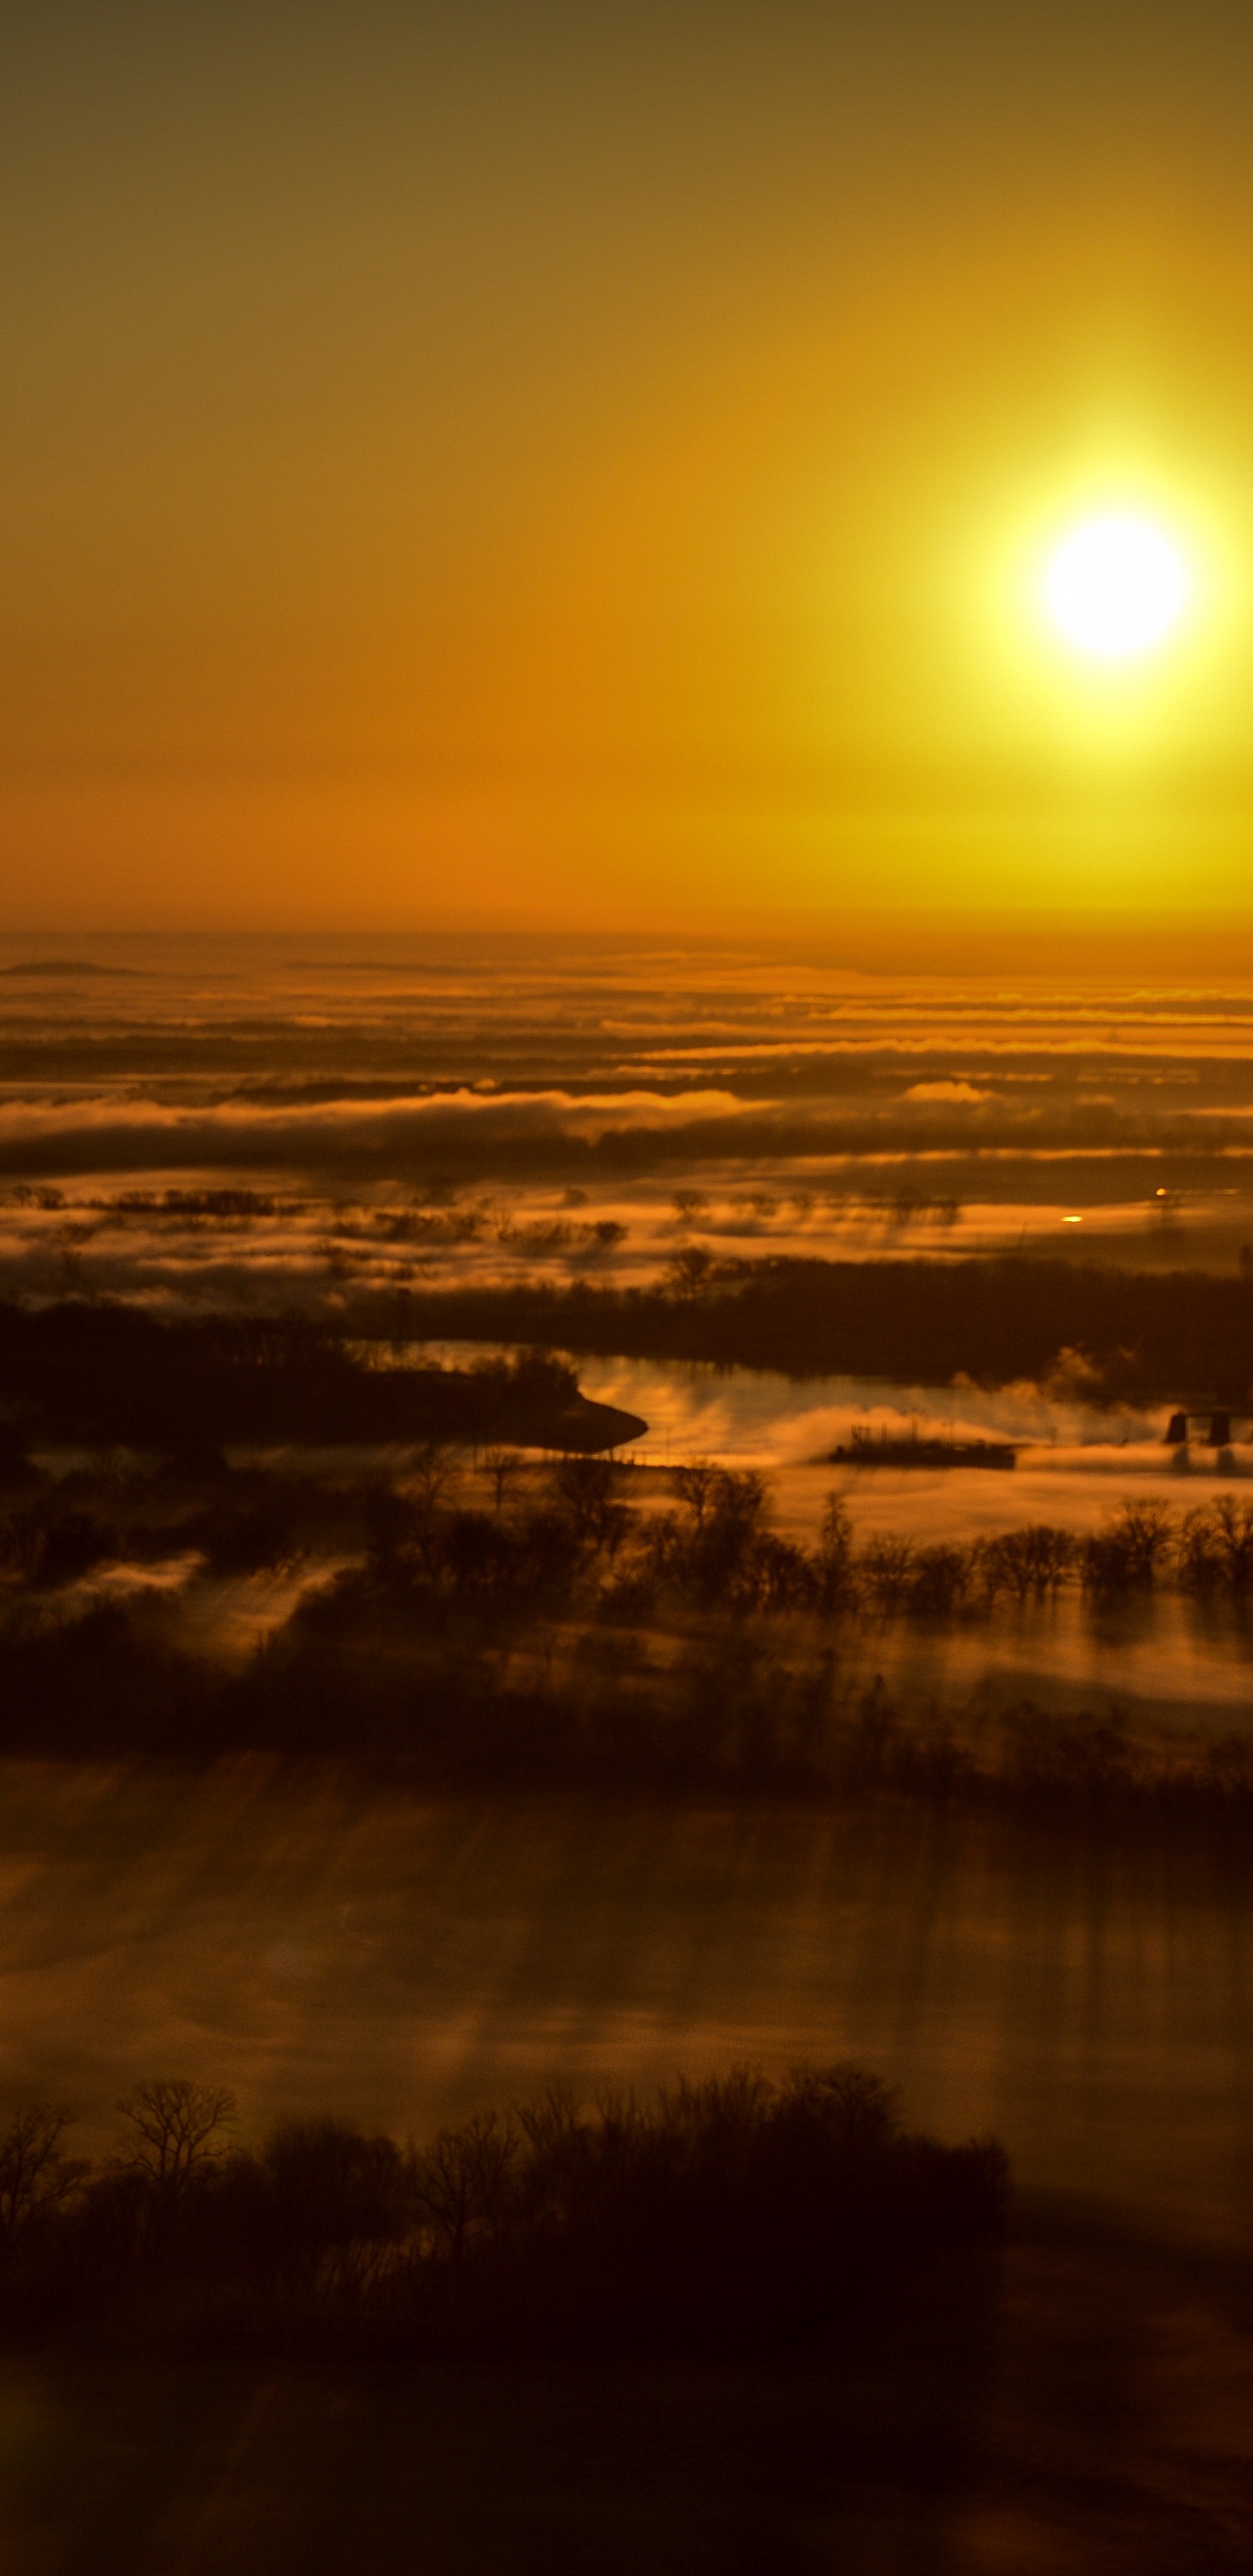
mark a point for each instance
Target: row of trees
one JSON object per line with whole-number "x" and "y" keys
{"x": 729, "y": 2209}
{"x": 1143, "y": 1544}
{"x": 718, "y": 1550}
{"x": 720, "y": 1704}
{"x": 552, "y": 1635}
{"x": 579, "y": 1537}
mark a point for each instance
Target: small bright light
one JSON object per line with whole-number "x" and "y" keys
{"x": 1116, "y": 586}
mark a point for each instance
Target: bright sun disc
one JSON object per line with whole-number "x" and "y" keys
{"x": 1116, "y": 586}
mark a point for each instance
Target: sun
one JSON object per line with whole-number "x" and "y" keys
{"x": 1116, "y": 586}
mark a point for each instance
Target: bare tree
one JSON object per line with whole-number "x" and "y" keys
{"x": 834, "y": 1554}
{"x": 1037, "y": 1559}
{"x": 887, "y": 1564}
{"x": 1233, "y": 1533}
{"x": 584, "y": 1488}
{"x": 462, "y": 2178}
{"x": 341, "y": 2203}
{"x": 178, "y": 2128}
{"x": 1146, "y": 1530}
{"x": 428, "y": 1476}
{"x": 34, "y": 2175}
{"x": 695, "y": 1485}
{"x": 502, "y": 1468}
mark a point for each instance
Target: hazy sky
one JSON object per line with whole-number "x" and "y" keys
{"x": 594, "y": 463}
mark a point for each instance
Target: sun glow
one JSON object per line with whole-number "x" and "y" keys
{"x": 1116, "y": 586}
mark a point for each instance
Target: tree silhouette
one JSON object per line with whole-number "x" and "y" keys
{"x": 462, "y": 2178}
{"x": 502, "y": 1468}
{"x": 178, "y": 2129}
{"x": 35, "y": 2178}
{"x": 695, "y": 1486}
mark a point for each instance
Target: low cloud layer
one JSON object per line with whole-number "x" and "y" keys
{"x": 491, "y": 1111}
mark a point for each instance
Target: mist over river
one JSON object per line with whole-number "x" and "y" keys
{"x": 298, "y": 1121}
{"x": 327, "y": 1127}
{"x": 318, "y": 1944}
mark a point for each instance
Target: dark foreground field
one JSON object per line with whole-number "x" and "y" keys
{"x": 1076, "y": 2399}
{"x": 1092, "y": 2419}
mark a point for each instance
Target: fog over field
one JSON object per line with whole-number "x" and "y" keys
{"x": 438, "y": 1669}
{"x": 268, "y": 1120}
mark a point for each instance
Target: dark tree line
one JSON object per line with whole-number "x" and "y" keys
{"x": 111, "y": 1373}
{"x": 555, "y": 1635}
{"x": 1146, "y": 1336}
{"x": 560, "y": 1638}
{"x": 576, "y": 1541}
{"x": 729, "y": 2213}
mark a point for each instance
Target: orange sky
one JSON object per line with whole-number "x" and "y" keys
{"x": 553, "y": 464}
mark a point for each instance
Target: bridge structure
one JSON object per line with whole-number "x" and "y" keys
{"x": 1219, "y": 1430}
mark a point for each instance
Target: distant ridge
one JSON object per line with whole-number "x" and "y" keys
{"x": 65, "y": 966}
